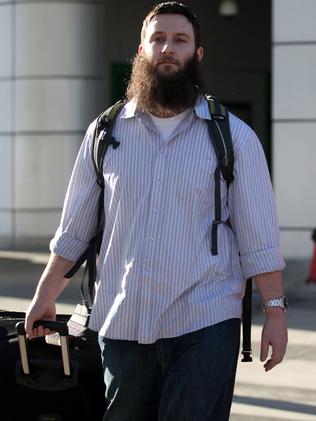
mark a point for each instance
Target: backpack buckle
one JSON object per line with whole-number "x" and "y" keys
{"x": 115, "y": 144}
{"x": 218, "y": 222}
{"x": 218, "y": 117}
{"x": 102, "y": 134}
{"x": 246, "y": 356}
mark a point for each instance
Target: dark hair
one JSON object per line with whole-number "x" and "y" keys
{"x": 173, "y": 7}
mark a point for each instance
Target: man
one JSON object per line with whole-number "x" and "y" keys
{"x": 166, "y": 309}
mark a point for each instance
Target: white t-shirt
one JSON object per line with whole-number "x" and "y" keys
{"x": 166, "y": 126}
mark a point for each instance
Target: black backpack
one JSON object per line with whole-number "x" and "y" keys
{"x": 221, "y": 141}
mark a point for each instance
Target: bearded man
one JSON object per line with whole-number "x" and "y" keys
{"x": 168, "y": 311}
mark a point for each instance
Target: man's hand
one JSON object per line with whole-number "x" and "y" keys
{"x": 37, "y": 311}
{"x": 274, "y": 334}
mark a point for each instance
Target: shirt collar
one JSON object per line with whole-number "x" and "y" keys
{"x": 201, "y": 109}
{"x": 130, "y": 109}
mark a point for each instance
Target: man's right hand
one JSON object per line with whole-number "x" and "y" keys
{"x": 35, "y": 312}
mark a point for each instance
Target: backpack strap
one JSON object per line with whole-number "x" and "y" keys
{"x": 102, "y": 139}
{"x": 246, "y": 322}
{"x": 221, "y": 139}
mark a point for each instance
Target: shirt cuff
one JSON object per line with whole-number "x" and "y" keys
{"x": 67, "y": 247}
{"x": 263, "y": 261}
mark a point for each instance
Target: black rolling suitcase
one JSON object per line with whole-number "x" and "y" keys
{"x": 53, "y": 383}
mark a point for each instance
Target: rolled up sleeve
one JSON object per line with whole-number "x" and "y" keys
{"x": 253, "y": 212}
{"x": 77, "y": 225}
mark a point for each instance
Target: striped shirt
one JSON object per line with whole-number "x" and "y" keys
{"x": 156, "y": 275}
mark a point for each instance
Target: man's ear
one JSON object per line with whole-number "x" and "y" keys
{"x": 200, "y": 53}
{"x": 140, "y": 48}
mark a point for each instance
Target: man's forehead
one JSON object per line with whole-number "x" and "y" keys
{"x": 170, "y": 23}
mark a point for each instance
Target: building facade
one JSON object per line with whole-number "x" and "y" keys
{"x": 62, "y": 62}
{"x": 294, "y": 122}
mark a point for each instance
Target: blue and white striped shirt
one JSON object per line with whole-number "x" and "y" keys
{"x": 156, "y": 275}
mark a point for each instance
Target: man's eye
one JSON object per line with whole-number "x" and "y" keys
{"x": 180, "y": 40}
{"x": 158, "y": 39}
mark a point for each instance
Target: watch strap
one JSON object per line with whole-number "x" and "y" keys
{"x": 281, "y": 302}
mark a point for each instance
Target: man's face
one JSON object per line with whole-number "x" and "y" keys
{"x": 169, "y": 43}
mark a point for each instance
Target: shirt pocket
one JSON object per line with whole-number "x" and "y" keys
{"x": 193, "y": 178}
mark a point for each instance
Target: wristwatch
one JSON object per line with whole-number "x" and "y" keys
{"x": 276, "y": 302}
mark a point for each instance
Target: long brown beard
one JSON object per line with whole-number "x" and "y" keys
{"x": 155, "y": 91}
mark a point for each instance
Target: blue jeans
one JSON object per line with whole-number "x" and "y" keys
{"x": 187, "y": 378}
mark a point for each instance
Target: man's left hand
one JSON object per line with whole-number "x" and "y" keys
{"x": 274, "y": 334}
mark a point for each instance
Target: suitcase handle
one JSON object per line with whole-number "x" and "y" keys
{"x": 61, "y": 328}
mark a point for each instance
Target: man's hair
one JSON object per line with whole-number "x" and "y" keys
{"x": 173, "y": 7}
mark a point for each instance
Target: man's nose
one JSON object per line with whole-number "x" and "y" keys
{"x": 168, "y": 48}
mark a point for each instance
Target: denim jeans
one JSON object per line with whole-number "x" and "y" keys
{"x": 187, "y": 378}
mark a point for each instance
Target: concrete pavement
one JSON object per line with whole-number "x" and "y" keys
{"x": 288, "y": 392}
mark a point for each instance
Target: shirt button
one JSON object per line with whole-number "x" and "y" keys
{"x": 151, "y": 239}
{"x": 156, "y": 210}
{"x": 158, "y": 183}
